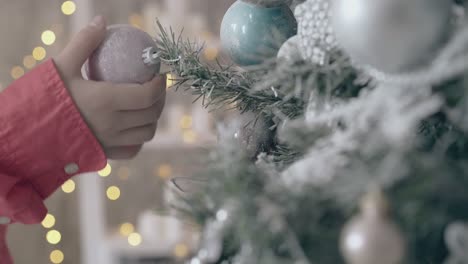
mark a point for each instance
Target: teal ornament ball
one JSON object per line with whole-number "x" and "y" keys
{"x": 252, "y": 33}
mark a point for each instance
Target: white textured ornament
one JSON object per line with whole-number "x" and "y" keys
{"x": 290, "y": 50}
{"x": 315, "y": 31}
{"x": 371, "y": 237}
{"x": 392, "y": 36}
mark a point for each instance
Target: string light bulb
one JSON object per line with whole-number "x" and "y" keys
{"x": 39, "y": 53}
{"x": 169, "y": 80}
{"x": 53, "y": 237}
{"x": 69, "y": 186}
{"x": 206, "y": 35}
{"x": 57, "y": 257}
{"x": 211, "y": 53}
{"x": 17, "y": 72}
{"x": 113, "y": 193}
{"x": 126, "y": 229}
{"x": 68, "y": 8}
{"x": 48, "y": 37}
{"x": 181, "y": 251}
{"x": 29, "y": 62}
{"x": 164, "y": 171}
{"x": 189, "y": 136}
{"x": 186, "y": 122}
{"x": 106, "y": 171}
{"x": 134, "y": 239}
{"x": 49, "y": 221}
{"x": 136, "y": 20}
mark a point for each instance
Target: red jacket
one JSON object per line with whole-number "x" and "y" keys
{"x": 44, "y": 141}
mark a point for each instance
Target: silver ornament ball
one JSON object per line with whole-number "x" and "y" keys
{"x": 290, "y": 50}
{"x": 249, "y": 130}
{"x": 253, "y": 134}
{"x": 119, "y": 57}
{"x": 372, "y": 241}
{"x": 392, "y": 36}
{"x": 372, "y": 237}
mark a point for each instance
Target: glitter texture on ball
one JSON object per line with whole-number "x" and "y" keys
{"x": 119, "y": 58}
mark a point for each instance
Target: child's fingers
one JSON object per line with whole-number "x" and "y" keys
{"x": 138, "y": 118}
{"x": 123, "y": 153}
{"x": 137, "y": 97}
{"x": 82, "y": 46}
{"x": 136, "y": 136}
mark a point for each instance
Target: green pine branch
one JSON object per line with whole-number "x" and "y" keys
{"x": 220, "y": 86}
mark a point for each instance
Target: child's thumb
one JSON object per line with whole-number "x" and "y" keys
{"x": 83, "y": 44}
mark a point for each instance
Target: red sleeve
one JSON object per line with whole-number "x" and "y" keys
{"x": 48, "y": 140}
{"x": 44, "y": 141}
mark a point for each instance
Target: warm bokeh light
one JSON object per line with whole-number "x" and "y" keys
{"x": 211, "y": 53}
{"x": 186, "y": 122}
{"x": 169, "y": 80}
{"x": 126, "y": 229}
{"x": 57, "y": 257}
{"x": 68, "y": 186}
{"x": 68, "y": 7}
{"x": 39, "y": 53}
{"x": 181, "y": 251}
{"x": 123, "y": 173}
{"x": 53, "y": 237}
{"x": 106, "y": 171}
{"x": 134, "y": 239}
{"x": 17, "y": 72}
{"x": 206, "y": 35}
{"x": 164, "y": 171}
{"x": 113, "y": 193}
{"x": 29, "y": 61}
{"x": 48, "y": 37}
{"x": 49, "y": 221}
{"x": 189, "y": 136}
{"x": 136, "y": 20}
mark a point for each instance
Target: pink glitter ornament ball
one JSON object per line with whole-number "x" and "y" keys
{"x": 119, "y": 58}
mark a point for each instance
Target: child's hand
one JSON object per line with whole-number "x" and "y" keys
{"x": 122, "y": 116}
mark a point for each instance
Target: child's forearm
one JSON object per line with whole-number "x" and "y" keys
{"x": 43, "y": 142}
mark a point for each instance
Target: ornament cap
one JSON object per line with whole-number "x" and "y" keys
{"x": 151, "y": 56}
{"x": 268, "y": 3}
{"x": 374, "y": 202}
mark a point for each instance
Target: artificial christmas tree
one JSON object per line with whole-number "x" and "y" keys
{"x": 346, "y": 117}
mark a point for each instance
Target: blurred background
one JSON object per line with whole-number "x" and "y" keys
{"x": 118, "y": 215}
